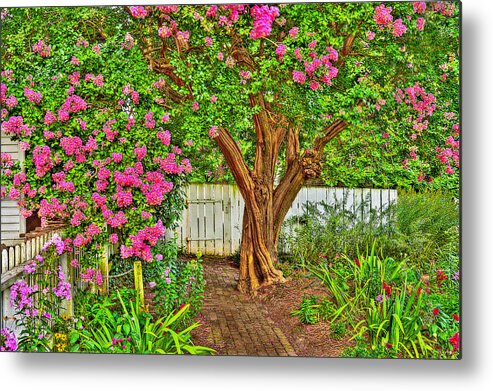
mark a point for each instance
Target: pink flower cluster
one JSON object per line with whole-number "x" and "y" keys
{"x": 416, "y": 96}
{"x": 327, "y": 73}
{"x": 383, "y": 15}
{"x": 150, "y": 123}
{"x": 446, "y": 8}
{"x": 142, "y": 242}
{"x": 42, "y": 160}
{"x": 139, "y": 12}
{"x": 419, "y": 7}
{"x": 33, "y": 96}
{"x": 263, "y": 17}
{"x": 213, "y": 132}
{"x": 129, "y": 42}
{"x": 73, "y": 104}
{"x": 92, "y": 276}
{"x": 6, "y": 160}
{"x": 450, "y": 155}
{"x": 281, "y": 51}
{"x": 164, "y": 137}
{"x": 21, "y": 295}
{"x": 42, "y": 49}
{"x": 52, "y": 208}
{"x": 398, "y": 28}
{"x": 140, "y": 152}
{"x": 7, "y": 335}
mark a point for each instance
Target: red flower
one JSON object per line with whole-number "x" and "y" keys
{"x": 387, "y": 288}
{"x": 388, "y": 345}
{"x": 356, "y": 260}
{"x": 456, "y": 317}
{"x": 436, "y": 311}
{"x": 441, "y": 276}
{"x": 455, "y": 342}
{"x": 419, "y": 291}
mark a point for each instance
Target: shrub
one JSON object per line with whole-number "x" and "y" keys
{"x": 419, "y": 227}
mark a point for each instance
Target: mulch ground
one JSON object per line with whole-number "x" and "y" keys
{"x": 237, "y": 324}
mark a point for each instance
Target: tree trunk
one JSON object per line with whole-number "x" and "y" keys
{"x": 258, "y": 256}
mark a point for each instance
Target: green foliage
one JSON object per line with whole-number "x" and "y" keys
{"x": 385, "y": 302}
{"x": 419, "y": 227}
{"x": 311, "y": 310}
{"x": 133, "y": 331}
{"x": 179, "y": 283}
{"x": 338, "y": 330}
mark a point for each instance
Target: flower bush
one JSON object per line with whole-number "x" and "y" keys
{"x": 98, "y": 154}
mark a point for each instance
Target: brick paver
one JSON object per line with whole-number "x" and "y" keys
{"x": 238, "y": 324}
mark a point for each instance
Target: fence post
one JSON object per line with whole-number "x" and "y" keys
{"x": 67, "y": 307}
{"x": 104, "y": 267}
{"x": 139, "y": 284}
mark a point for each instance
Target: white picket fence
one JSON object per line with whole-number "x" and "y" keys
{"x": 213, "y": 219}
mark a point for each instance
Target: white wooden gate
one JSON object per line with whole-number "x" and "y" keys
{"x": 213, "y": 219}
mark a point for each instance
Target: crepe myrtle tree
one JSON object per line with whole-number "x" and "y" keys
{"x": 272, "y": 85}
{"x": 98, "y": 152}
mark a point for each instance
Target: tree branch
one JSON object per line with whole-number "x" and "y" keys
{"x": 234, "y": 158}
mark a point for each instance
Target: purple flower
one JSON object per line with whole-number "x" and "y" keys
{"x": 168, "y": 280}
{"x": 10, "y": 340}
{"x": 379, "y": 298}
{"x": 30, "y": 268}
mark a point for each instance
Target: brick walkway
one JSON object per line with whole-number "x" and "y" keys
{"x": 237, "y": 324}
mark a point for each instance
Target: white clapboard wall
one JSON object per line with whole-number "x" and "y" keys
{"x": 12, "y": 223}
{"x": 213, "y": 219}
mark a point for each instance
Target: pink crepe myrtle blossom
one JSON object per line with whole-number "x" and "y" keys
{"x": 98, "y": 80}
{"x": 149, "y": 121}
{"x": 398, "y": 28}
{"x": 294, "y": 32}
{"x": 419, "y": 7}
{"x": 11, "y": 101}
{"x": 263, "y": 17}
{"x": 129, "y": 42}
{"x": 314, "y": 85}
{"x": 297, "y": 54}
{"x": 420, "y": 24}
{"x": 213, "y": 133}
{"x": 164, "y": 137}
{"x": 281, "y": 51}
{"x": 42, "y": 49}
{"x": 333, "y": 55}
{"x": 383, "y": 16}
{"x": 33, "y": 96}
{"x": 299, "y": 77}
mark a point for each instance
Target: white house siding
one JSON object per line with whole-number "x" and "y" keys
{"x": 12, "y": 223}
